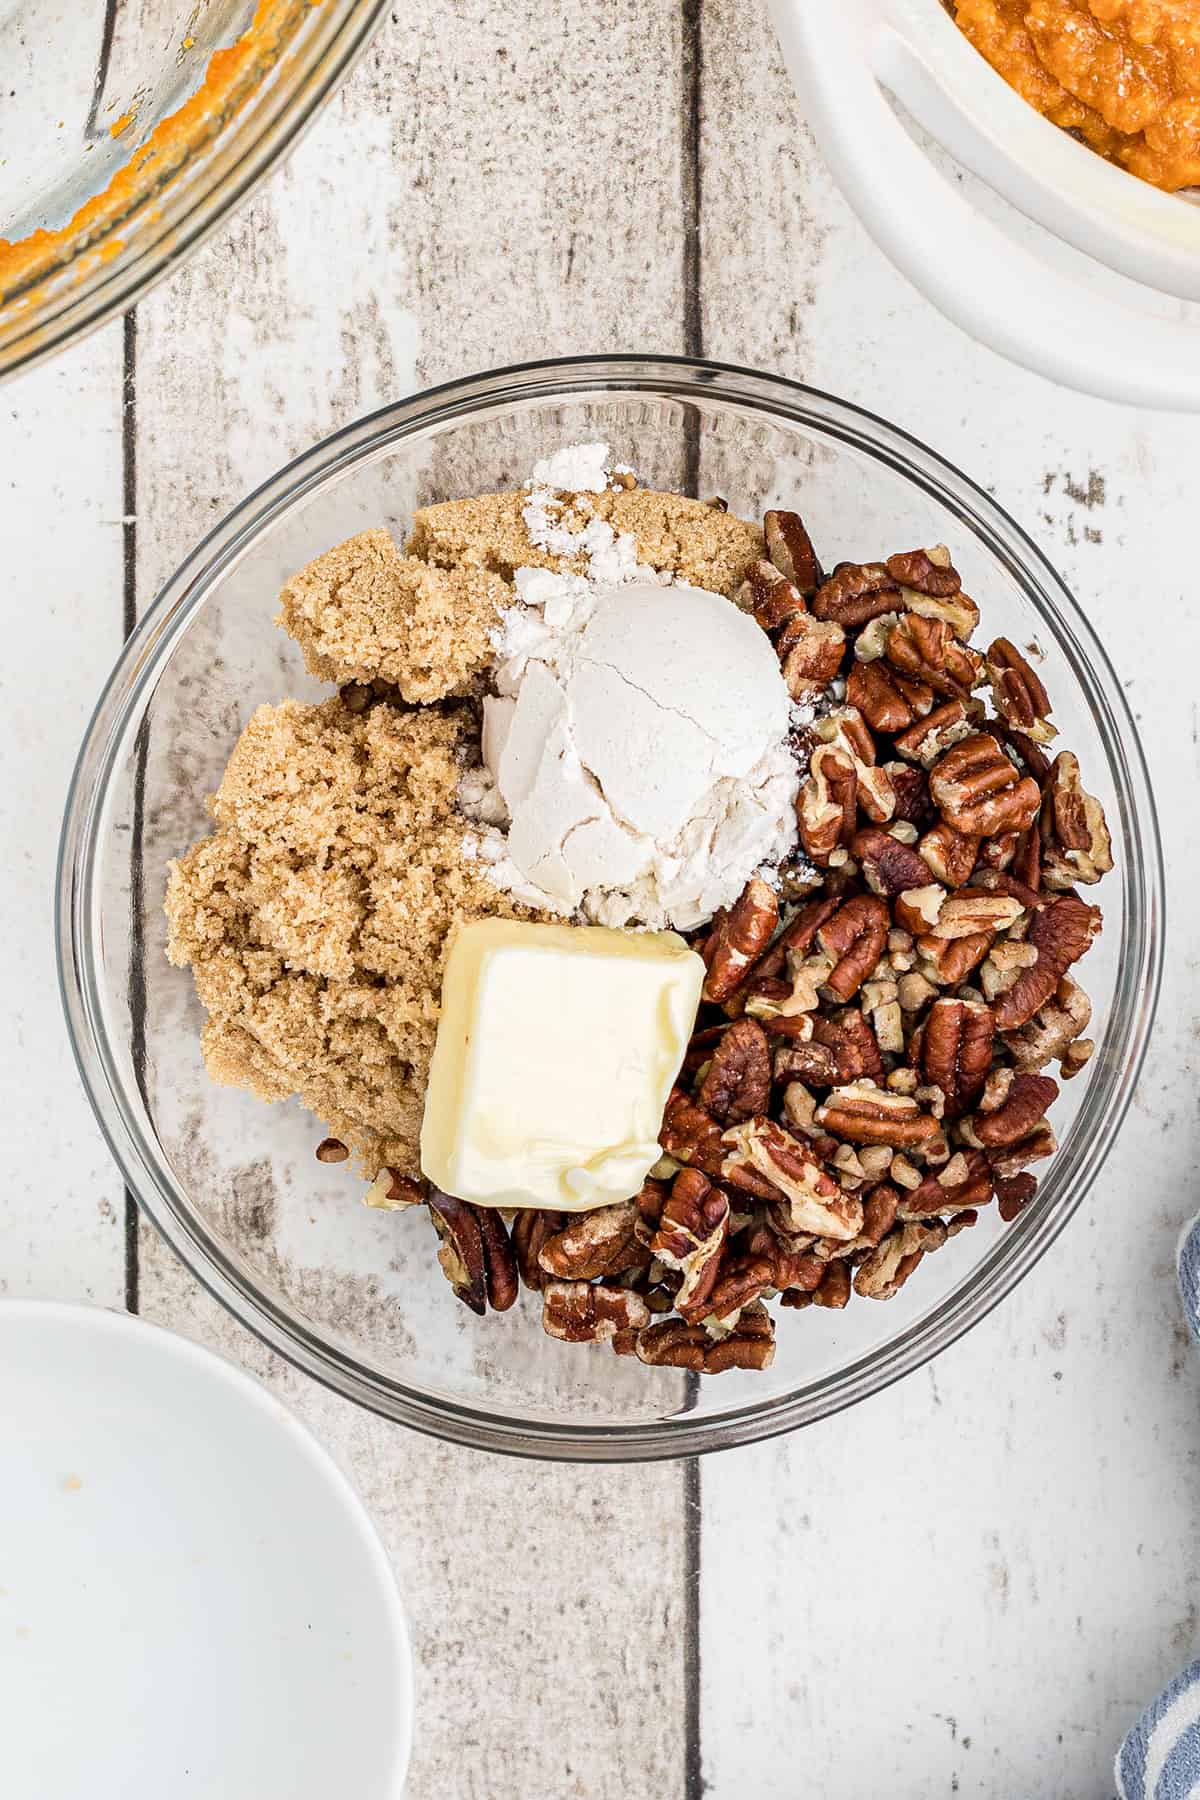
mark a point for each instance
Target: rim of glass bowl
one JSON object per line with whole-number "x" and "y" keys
{"x": 173, "y": 218}
{"x": 111, "y": 737}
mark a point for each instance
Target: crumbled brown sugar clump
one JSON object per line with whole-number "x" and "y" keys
{"x": 316, "y": 918}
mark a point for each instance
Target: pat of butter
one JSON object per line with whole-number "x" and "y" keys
{"x": 555, "y": 1054}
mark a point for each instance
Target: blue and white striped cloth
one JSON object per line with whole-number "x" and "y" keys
{"x": 1160, "y": 1758}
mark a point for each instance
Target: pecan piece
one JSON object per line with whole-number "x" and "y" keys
{"x": 1053, "y": 1029}
{"x": 827, "y": 803}
{"x": 863, "y": 1114}
{"x": 887, "y": 700}
{"x": 956, "y": 1051}
{"x": 917, "y": 569}
{"x": 1014, "y": 1192}
{"x": 738, "y": 1080}
{"x": 576, "y": 1312}
{"x": 854, "y": 593}
{"x": 932, "y": 736}
{"x": 882, "y": 1274}
{"x": 530, "y": 1229}
{"x": 1060, "y": 933}
{"x": 770, "y": 596}
{"x": 815, "y": 1201}
{"x": 948, "y": 961}
{"x": 973, "y": 910}
{"x": 911, "y": 788}
{"x": 810, "y": 652}
{"x": 928, "y": 650}
{"x": 841, "y": 1049}
{"x": 392, "y": 1192}
{"x": 676, "y": 1345}
{"x": 888, "y": 866}
{"x": 739, "y": 939}
{"x": 1017, "y": 691}
{"x": 796, "y": 939}
{"x": 855, "y": 937}
{"x": 1029, "y": 1098}
{"x": 790, "y": 549}
{"x": 691, "y": 1236}
{"x": 1013, "y": 1159}
{"x": 591, "y": 1244}
{"x": 978, "y": 791}
{"x": 476, "y": 1255}
{"x": 963, "y": 1184}
{"x": 1076, "y": 845}
{"x": 949, "y": 855}
{"x": 739, "y": 1281}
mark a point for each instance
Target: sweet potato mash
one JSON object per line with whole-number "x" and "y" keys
{"x": 1123, "y": 75}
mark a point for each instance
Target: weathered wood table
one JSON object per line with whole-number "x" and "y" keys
{"x": 968, "y": 1584}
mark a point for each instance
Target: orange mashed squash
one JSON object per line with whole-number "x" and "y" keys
{"x": 1122, "y": 75}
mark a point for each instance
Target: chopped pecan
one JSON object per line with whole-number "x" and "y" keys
{"x": 833, "y": 1291}
{"x": 740, "y": 1279}
{"x": 579, "y": 1313}
{"x": 476, "y": 1255}
{"x": 1013, "y": 1159}
{"x": 910, "y": 785}
{"x": 673, "y": 1344}
{"x": 811, "y": 654}
{"x": 816, "y": 1203}
{"x": 1060, "y": 933}
{"x": 888, "y": 866}
{"x": 738, "y": 1080}
{"x": 863, "y": 1114}
{"x": 1075, "y": 841}
{"x": 949, "y": 855}
{"x": 1056, "y": 1025}
{"x": 917, "y": 569}
{"x": 956, "y": 1051}
{"x": 978, "y": 791}
{"x": 790, "y": 1269}
{"x": 888, "y": 700}
{"x": 855, "y": 936}
{"x": 392, "y": 1192}
{"x": 1076, "y": 1057}
{"x": 1014, "y": 1192}
{"x": 691, "y": 1236}
{"x": 797, "y": 937}
{"x": 601, "y": 1242}
{"x": 948, "y": 961}
{"x": 932, "y": 736}
{"x": 740, "y": 937}
{"x": 770, "y": 596}
{"x": 973, "y": 910}
{"x": 1004, "y": 963}
{"x": 827, "y": 802}
{"x": 847, "y": 731}
{"x": 841, "y": 1049}
{"x": 964, "y": 1183}
{"x": 1017, "y": 691}
{"x": 854, "y": 593}
{"x": 1029, "y": 1097}
{"x": 928, "y": 650}
{"x": 918, "y": 909}
{"x": 882, "y": 1274}
{"x": 1031, "y": 756}
{"x": 530, "y": 1230}
{"x": 790, "y": 549}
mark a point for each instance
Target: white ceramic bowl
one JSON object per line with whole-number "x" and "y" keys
{"x": 847, "y": 59}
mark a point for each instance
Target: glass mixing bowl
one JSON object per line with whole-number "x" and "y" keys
{"x": 129, "y": 130}
{"x": 354, "y": 1296}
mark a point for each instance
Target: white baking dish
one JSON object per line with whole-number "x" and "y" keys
{"x": 847, "y": 56}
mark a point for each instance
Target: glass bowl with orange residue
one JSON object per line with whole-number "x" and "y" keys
{"x": 130, "y": 128}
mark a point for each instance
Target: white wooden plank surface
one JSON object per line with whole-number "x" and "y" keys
{"x": 438, "y": 220}
{"x": 60, "y": 528}
{"x": 971, "y": 1584}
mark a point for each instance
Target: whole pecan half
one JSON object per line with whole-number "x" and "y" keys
{"x": 855, "y": 937}
{"x": 740, "y": 1279}
{"x": 948, "y": 961}
{"x": 577, "y": 1312}
{"x": 476, "y": 1255}
{"x": 977, "y": 790}
{"x": 1017, "y": 691}
{"x": 810, "y": 653}
{"x": 770, "y": 596}
{"x": 854, "y": 593}
{"x": 737, "y": 1083}
{"x": 972, "y": 910}
{"x": 601, "y": 1242}
{"x": 932, "y": 736}
{"x": 530, "y": 1230}
{"x": 1076, "y": 846}
{"x": 1013, "y": 1159}
{"x": 826, "y": 805}
{"x": 1029, "y": 1098}
{"x": 1060, "y": 933}
{"x": 790, "y": 549}
{"x": 739, "y": 938}
{"x": 917, "y": 569}
{"x": 862, "y": 1114}
{"x": 956, "y": 1051}
{"x": 888, "y": 700}
{"x": 815, "y": 1201}
{"x": 928, "y": 650}
{"x": 690, "y": 1237}
{"x": 965, "y": 1182}
{"x": 676, "y": 1345}
{"x": 888, "y": 866}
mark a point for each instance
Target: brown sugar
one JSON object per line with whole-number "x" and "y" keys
{"x": 317, "y": 917}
